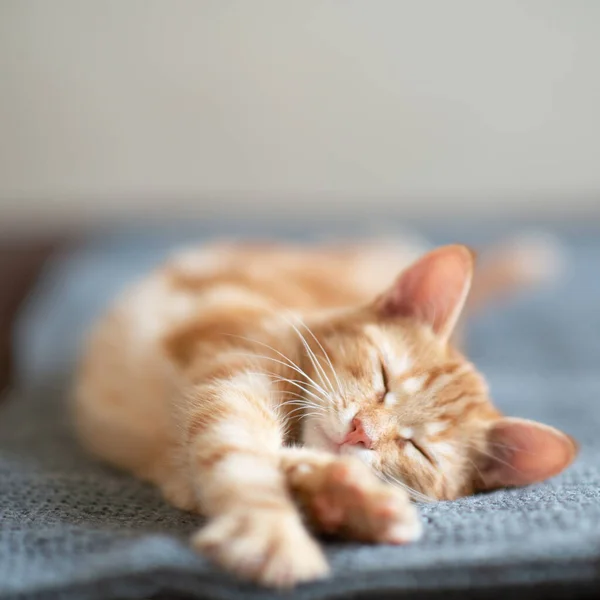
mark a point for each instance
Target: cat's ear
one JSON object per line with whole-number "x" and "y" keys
{"x": 433, "y": 289}
{"x": 520, "y": 452}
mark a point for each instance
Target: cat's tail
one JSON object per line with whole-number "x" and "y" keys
{"x": 527, "y": 261}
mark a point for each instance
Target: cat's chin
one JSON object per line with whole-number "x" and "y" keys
{"x": 364, "y": 454}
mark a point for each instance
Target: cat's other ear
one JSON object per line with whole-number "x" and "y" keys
{"x": 433, "y": 289}
{"x": 520, "y": 452}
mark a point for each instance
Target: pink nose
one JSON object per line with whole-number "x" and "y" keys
{"x": 357, "y": 434}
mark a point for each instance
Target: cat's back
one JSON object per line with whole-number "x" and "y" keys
{"x": 297, "y": 277}
{"x": 208, "y": 282}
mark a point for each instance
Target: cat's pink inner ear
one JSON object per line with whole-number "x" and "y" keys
{"x": 521, "y": 452}
{"x": 433, "y": 289}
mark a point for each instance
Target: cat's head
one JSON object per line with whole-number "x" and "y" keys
{"x": 390, "y": 388}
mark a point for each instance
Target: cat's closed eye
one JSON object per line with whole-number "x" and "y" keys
{"x": 403, "y": 441}
{"x": 385, "y": 380}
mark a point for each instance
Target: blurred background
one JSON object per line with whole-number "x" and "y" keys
{"x": 145, "y": 109}
{"x": 238, "y": 117}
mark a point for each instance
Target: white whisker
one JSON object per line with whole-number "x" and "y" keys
{"x": 297, "y": 401}
{"x": 293, "y": 382}
{"x": 318, "y": 388}
{"x": 326, "y": 356}
{"x": 289, "y": 363}
{"x": 311, "y": 355}
{"x": 304, "y": 411}
{"x": 490, "y": 455}
{"x": 415, "y": 494}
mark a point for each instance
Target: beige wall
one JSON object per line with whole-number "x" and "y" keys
{"x": 109, "y": 103}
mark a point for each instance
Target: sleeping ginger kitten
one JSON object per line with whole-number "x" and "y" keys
{"x": 281, "y": 390}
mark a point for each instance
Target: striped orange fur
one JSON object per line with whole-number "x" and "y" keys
{"x": 283, "y": 391}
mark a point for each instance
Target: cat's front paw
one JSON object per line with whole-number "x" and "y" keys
{"x": 270, "y": 547}
{"x": 345, "y": 497}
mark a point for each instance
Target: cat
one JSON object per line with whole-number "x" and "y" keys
{"x": 284, "y": 391}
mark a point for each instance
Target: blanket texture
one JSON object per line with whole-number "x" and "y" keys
{"x": 71, "y": 528}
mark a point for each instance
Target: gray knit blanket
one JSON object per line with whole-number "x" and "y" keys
{"x": 71, "y": 528}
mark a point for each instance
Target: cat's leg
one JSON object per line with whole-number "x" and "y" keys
{"x": 233, "y": 448}
{"x": 342, "y": 496}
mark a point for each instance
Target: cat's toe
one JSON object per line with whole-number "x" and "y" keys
{"x": 384, "y": 514}
{"x": 394, "y": 520}
{"x": 269, "y": 547}
{"x": 353, "y": 502}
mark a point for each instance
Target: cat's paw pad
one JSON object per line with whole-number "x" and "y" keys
{"x": 272, "y": 548}
{"x": 352, "y": 501}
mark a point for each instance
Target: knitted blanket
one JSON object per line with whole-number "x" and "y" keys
{"x": 71, "y": 528}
